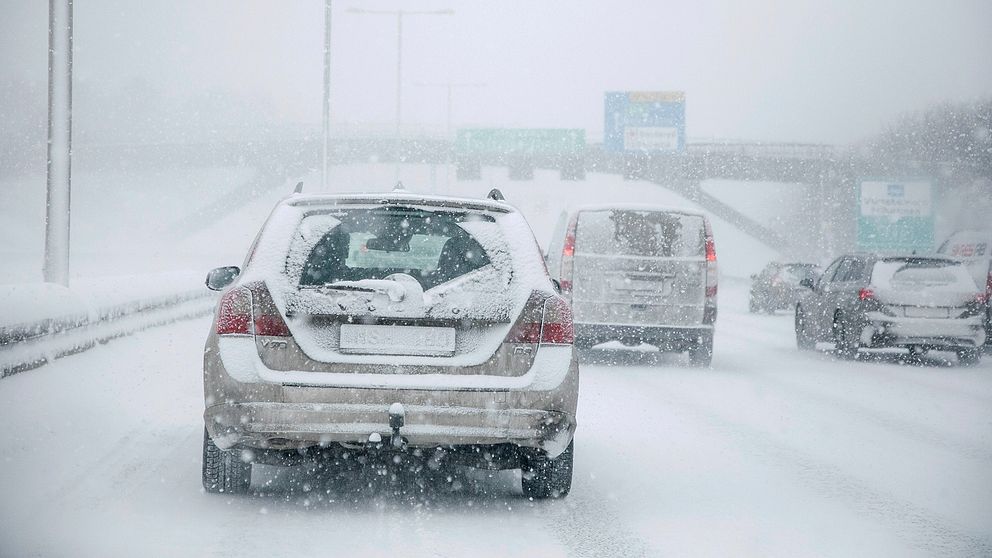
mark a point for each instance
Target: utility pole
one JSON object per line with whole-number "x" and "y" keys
{"x": 56, "y": 264}
{"x": 399, "y": 64}
{"x": 326, "y": 112}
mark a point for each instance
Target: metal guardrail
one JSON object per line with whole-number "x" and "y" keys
{"x": 27, "y": 346}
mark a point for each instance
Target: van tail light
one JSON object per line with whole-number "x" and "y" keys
{"x": 250, "y": 310}
{"x": 866, "y": 294}
{"x": 234, "y": 313}
{"x": 567, "y": 260}
{"x": 544, "y": 320}
{"x": 982, "y": 298}
{"x": 711, "y": 269}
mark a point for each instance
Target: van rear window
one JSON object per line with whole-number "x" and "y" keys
{"x": 640, "y": 233}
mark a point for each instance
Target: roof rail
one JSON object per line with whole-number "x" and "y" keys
{"x": 496, "y": 195}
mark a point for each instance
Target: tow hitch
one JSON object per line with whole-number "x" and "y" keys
{"x": 397, "y": 417}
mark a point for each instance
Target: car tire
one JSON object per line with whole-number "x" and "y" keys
{"x": 702, "y": 353}
{"x": 542, "y": 478}
{"x": 224, "y": 470}
{"x": 843, "y": 345}
{"x": 804, "y": 340}
{"x": 969, "y": 356}
{"x": 752, "y": 306}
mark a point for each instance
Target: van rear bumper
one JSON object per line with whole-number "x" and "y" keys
{"x": 666, "y": 338}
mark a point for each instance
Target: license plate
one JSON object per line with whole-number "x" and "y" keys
{"x": 397, "y": 340}
{"x": 924, "y": 312}
{"x": 662, "y": 286}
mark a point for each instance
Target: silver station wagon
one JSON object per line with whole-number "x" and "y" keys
{"x": 393, "y": 324}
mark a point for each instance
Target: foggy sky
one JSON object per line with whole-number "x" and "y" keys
{"x": 832, "y": 72}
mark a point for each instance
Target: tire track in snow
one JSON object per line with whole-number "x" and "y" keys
{"x": 918, "y": 526}
{"x": 908, "y": 429}
{"x": 587, "y": 526}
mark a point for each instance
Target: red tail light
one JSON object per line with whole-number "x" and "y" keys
{"x": 558, "y": 328}
{"x": 982, "y": 298}
{"x": 250, "y": 311}
{"x": 866, "y": 294}
{"x": 567, "y": 253}
{"x": 544, "y": 320}
{"x": 267, "y": 319}
{"x": 711, "y": 270}
{"x": 234, "y": 313}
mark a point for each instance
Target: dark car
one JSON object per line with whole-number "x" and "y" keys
{"x": 777, "y": 286}
{"x": 914, "y": 302}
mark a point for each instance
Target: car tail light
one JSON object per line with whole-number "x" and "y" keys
{"x": 545, "y": 320}
{"x": 266, "y": 317}
{"x": 711, "y": 269}
{"x": 557, "y": 328}
{"x": 234, "y": 313}
{"x": 982, "y": 298}
{"x": 250, "y": 311}
{"x": 567, "y": 259}
{"x": 866, "y": 294}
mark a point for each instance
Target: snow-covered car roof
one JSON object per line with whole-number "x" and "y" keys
{"x": 301, "y": 200}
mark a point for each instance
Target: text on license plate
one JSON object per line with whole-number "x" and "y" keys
{"x": 397, "y": 340}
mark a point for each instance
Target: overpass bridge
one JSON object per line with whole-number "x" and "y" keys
{"x": 826, "y": 174}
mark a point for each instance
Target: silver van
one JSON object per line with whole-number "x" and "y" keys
{"x": 974, "y": 248}
{"x": 638, "y": 274}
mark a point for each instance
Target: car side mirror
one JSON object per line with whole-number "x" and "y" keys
{"x": 807, "y": 282}
{"x": 557, "y": 285}
{"x": 221, "y": 277}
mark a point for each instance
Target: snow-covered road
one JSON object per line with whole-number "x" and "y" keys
{"x": 770, "y": 452}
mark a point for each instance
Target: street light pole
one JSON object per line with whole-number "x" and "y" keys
{"x": 399, "y": 63}
{"x": 326, "y": 112}
{"x": 56, "y": 264}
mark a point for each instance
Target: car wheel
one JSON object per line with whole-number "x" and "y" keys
{"x": 543, "y": 478}
{"x": 846, "y": 347}
{"x": 702, "y": 353}
{"x": 804, "y": 340}
{"x": 224, "y": 470}
{"x": 969, "y": 356}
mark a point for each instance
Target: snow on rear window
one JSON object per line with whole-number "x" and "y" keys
{"x": 640, "y": 233}
{"x": 920, "y": 274}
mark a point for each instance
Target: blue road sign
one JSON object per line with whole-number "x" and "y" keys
{"x": 645, "y": 121}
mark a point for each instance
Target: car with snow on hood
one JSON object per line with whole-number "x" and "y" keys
{"x": 391, "y": 323}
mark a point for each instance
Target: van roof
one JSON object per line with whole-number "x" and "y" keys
{"x": 386, "y": 198}
{"x": 638, "y": 207}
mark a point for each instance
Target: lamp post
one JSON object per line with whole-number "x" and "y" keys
{"x": 56, "y": 264}
{"x": 326, "y": 112}
{"x": 399, "y": 14}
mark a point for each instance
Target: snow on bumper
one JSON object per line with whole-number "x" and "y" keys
{"x": 289, "y": 425}
{"x": 883, "y": 330}
{"x": 250, "y": 405}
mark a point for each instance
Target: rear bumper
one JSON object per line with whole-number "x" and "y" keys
{"x": 251, "y": 406}
{"x": 665, "y": 337}
{"x": 887, "y": 331}
{"x": 299, "y": 425}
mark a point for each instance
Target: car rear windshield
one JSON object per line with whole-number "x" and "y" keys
{"x": 356, "y": 244}
{"x": 640, "y": 233}
{"x": 793, "y": 273}
{"x": 921, "y": 273}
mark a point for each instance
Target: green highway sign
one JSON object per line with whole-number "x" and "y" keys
{"x": 520, "y": 141}
{"x": 895, "y": 215}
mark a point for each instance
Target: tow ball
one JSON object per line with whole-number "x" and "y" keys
{"x": 397, "y": 417}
